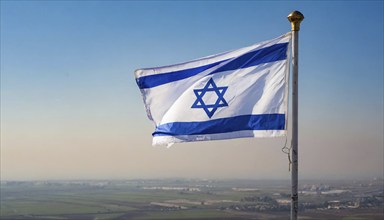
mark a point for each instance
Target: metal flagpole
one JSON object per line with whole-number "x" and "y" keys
{"x": 295, "y": 18}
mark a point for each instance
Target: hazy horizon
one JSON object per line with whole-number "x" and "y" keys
{"x": 321, "y": 179}
{"x": 71, "y": 109}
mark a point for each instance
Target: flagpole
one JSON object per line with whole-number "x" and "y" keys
{"x": 295, "y": 18}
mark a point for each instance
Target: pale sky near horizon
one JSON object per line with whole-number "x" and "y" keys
{"x": 70, "y": 107}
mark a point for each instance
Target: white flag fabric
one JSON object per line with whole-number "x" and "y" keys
{"x": 236, "y": 94}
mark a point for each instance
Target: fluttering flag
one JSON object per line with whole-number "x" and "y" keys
{"x": 236, "y": 94}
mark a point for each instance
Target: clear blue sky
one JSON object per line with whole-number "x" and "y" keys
{"x": 70, "y": 107}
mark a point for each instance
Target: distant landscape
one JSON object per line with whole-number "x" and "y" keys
{"x": 190, "y": 199}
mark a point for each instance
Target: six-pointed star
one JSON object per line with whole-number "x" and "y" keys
{"x": 210, "y": 109}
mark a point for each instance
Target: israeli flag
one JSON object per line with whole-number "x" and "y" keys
{"x": 236, "y": 94}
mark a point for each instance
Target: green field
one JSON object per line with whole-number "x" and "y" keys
{"x": 163, "y": 199}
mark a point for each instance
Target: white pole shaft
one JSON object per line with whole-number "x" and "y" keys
{"x": 295, "y": 18}
{"x": 295, "y": 105}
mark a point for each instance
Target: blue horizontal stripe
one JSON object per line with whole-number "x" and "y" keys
{"x": 145, "y": 82}
{"x": 265, "y": 55}
{"x": 223, "y": 125}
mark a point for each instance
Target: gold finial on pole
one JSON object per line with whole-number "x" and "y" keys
{"x": 295, "y": 18}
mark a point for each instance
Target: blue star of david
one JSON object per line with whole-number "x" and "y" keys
{"x": 210, "y": 109}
